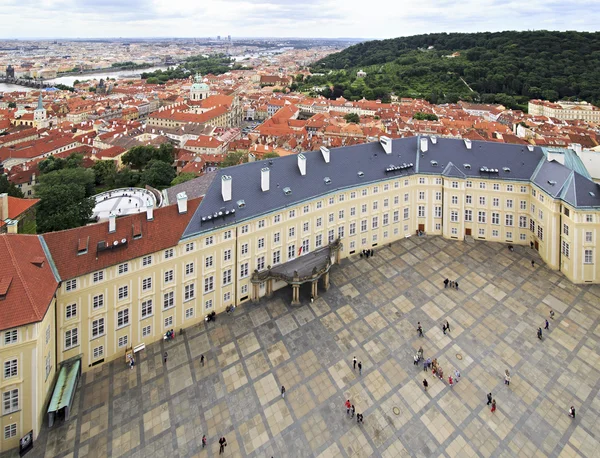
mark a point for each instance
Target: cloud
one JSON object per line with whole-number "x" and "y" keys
{"x": 287, "y": 18}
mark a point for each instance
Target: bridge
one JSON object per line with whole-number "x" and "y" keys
{"x": 25, "y": 82}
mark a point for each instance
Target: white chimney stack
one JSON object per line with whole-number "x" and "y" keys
{"x": 226, "y": 188}
{"x": 386, "y": 142}
{"x": 264, "y": 179}
{"x": 424, "y": 144}
{"x": 182, "y": 202}
{"x": 302, "y": 164}
{"x": 149, "y": 211}
{"x": 468, "y": 143}
{"x": 434, "y": 140}
{"x": 326, "y": 154}
{"x": 112, "y": 222}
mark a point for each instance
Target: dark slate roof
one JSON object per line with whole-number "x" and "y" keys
{"x": 193, "y": 188}
{"x": 552, "y": 176}
{"x": 587, "y": 193}
{"x": 518, "y": 158}
{"x": 343, "y": 168}
{"x": 449, "y": 156}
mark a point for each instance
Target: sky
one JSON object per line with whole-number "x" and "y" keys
{"x": 287, "y": 18}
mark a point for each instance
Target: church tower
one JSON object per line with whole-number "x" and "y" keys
{"x": 199, "y": 90}
{"x": 39, "y": 115}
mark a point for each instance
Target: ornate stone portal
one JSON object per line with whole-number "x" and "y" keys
{"x": 310, "y": 267}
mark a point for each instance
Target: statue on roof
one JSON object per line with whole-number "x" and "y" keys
{"x": 198, "y": 77}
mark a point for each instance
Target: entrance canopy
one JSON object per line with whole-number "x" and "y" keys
{"x": 64, "y": 390}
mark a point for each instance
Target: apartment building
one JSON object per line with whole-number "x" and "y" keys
{"x": 271, "y": 224}
{"x": 564, "y": 110}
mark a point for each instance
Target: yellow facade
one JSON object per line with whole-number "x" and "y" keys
{"x": 28, "y": 358}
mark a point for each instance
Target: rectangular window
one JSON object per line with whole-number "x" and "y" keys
{"x": 588, "y": 218}
{"x": 319, "y": 221}
{"x": 330, "y": 235}
{"x": 208, "y": 262}
{"x": 98, "y": 327}
{"x": 123, "y": 292}
{"x": 208, "y": 241}
{"x": 71, "y": 285}
{"x": 98, "y": 352}
{"x": 168, "y": 322}
{"x": 405, "y": 212}
{"x": 319, "y": 205}
{"x": 540, "y": 233}
{"x": 318, "y": 240}
{"x": 469, "y": 199}
{"x": 189, "y": 313}
{"x": 375, "y": 222}
{"x": 406, "y": 197}
{"x": 541, "y": 214}
{"x": 189, "y": 247}
{"x": 523, "y": 222}
{"x": 305, "y": 209}
{"x": 98, "y": 276}
{"x": 276, "y": 257}
{"x": 226, "y": 235}
{"x": 353, "y": 195}
{"x": 147, "y": 308}
{"x": 292, "y": 232}
{"x": 363, "y": 208}
{"x": 122, "y": 318}
{"x": 146, "y": 331}
{"x": 47, "y": 334}
{"x": 509, "y": 220}
{"x": 147, "y": 284}
{"x": 496, "y": 187}
{"x": 276, "y": 237}
{"x": 305, "y": 227}
{"x": 386, "y": 219}
{"x": 341, "y": 230}
{"x": 71, "y": 338}
{"x": 495, "y": 202}
{"x": 481, "y": 185}
{"x": 495, "y": 218}
{"x": 454, "y": 231}
{"x": 261, "y": 224}
{"x": 588, "y": 257}
{"x": 509, "y": 236}
{"x": 509, "y": 187}
{"x": 245, "y": 228}
{"x": 481, "y": 217}
{"x": 331, "y": 200}
{"x": 588, "y": 237}
{"x": 189, "y": 268}
{"x": 11, "y": 368}
{"x": 363, "y": 225}
{"x": 260, "y": 263}
{"x": 421, "y": 180}
{"x": 189, "y": 291}
{"x": 209, "y": 285}
{"x": 482, "y": 200}
{"x": 331, "y": 218}
{"x": 375, "y": 189}
{"x": 532, "y": 225}
{"x": 10, "y": 401}
{"x": 352, "y": 211}
{"x": 468, "y": 184}
{"x": 169, "y": 253}
{"x": 421, "y": 195}
{"x": 565, "y": 229}
{"x": 523, "y": 205}
{"x": 291, "y": 251}
{"x": 438, "y": 212}
{"x": 495, "y": 233}
{"x": 306, "y": 246}
{"x": 146, "y": 261}
{"x": 10, "y": 431}
{"x": 396, "y": 216}
{"x": 454, "y": 216}
{"x": 123, "y": 268}
{"x": 509, "y": 203}
{"x": 292, "y": 214}
{"x": 468, "y": 216}
{"x": 341, "y": 214}
{"x": 397, "y": 199}
{"x": 168, "y": 300}
{"x": 454, "y": 200}
{"x": 244, "y": 270}
{"x": 276, "y": 219}
{"x": 523, "y": 188}
{"x": 566, "y": 248}
{"x": 123, "y": 341}
{"x": 261, "y": 243}
{"x": 244, "y": 249}
{"x": 421, "y": 211}
{"x": 98, "y": 301}
{"x": 455, "y": 184}
{"x": 375, "y": 205}
{"x": 208, "y": 304}
{"x": 386, "y": 203}
{"x": 522, "y": 237}
{"x": 482, "y": 232}
{"x": 168, "y": 276}
{"x": 71, "y": 311}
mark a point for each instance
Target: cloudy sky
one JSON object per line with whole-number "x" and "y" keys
{"x": 287, "y": 18}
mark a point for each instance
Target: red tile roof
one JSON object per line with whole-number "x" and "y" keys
{"x": 161, "y": 233}
{"x": 28, "y": 286}
{"x": 18, "y": 206}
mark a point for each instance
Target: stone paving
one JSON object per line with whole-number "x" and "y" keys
{"x": 370, "y": 312}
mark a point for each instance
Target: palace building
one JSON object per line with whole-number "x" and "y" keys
{"x": 99, "y": 292}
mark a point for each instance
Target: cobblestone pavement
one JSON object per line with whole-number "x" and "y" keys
{"x": 370, "y": 312}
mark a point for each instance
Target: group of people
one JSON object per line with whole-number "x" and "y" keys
{"x": 351, "y": 410}
{"x": 367, "y": 253}
{"x": 131, "y": 360}
{"x": 170, "y": 335}
{"x": 450, "y": 283}
{"x": 354, "y": 360}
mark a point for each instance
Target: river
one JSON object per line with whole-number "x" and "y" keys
{"x": 69, "y": 80}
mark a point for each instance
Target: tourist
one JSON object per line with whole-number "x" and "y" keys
{"x": 551, "y": 314}
{"x": 360, "y": 367}
{"x": 547, "y": 325}
{"x": 352, "y": 410}
{"x": 446, "y": 281}
{"x": 456, "y": 376}
{"x": 532, "y": 263}
{"x": 572, "y": 412}
{"x": 425, "y": 384}
{"x": 416, "y": 359}
{"x": 539, "y": 333}
{"x": 348, "y": 406}
{"x": 282, "y": 391}
{"x": 204, "y": 441}
{"x": 444, "y": 328}
{"x": 165, "y": 357}
{"x": 419, "y": 329}
{"x": 354, "y": 363}
{"x": 493, "y": 406}
{"x": 450, "y": 381}
{"x": 202, "y": 360}
{"x": 456, "y": 284}
{"x": 489, "y": 398}
{"x": 447, "y": 326}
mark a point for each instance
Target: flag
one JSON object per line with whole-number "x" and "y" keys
{"x": 299, "y": 250}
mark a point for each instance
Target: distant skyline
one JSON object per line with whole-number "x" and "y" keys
{"x": 286, "y": 18}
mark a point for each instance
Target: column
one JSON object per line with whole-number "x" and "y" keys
{"x": 326, "y": 281}
{"x": 338, "y": 254}
{"x": 255, "y": 292}
{"x": 315, "y": 288}
{"x": 269, "y": 287}
{"x": 295, "y": 294}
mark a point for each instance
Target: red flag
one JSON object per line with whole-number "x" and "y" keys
{"x": 300, "y": 250}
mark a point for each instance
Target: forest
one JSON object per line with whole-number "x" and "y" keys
{"x": 504, "y": 67}
{"x": 217, "y": 65}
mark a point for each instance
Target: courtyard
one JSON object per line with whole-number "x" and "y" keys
{"x": 370, "y": 311}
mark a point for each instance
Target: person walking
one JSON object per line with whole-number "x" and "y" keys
{"x": 444, "y": 328}
{"x": 450, "y": 381}
{"x": 416, "y": 359}
{"x": 539, "y": 333}
{"x": 446, "y": 281}
{"x": 352, "y": 411}
{"x": 551, "y": 314}
{"x": 348, "y": 406}
{"x": 204, "y": 441}
{"x": 456, "y": 285}
{"x": 202, "y": 360}
{"x": 493, "y": 406}
{"x": 547, "y": 325}
{"x": 360, "y": 367}
{"x": 354, "y": 363}
{"x": 447, "y": 326}
{"x": 359, "y": 418}
{"x": 282, "y": 391}
{"x": 165, "y": 356}
{"x": 489, "y": 398}
{"x": 507, "y": 380}
{"x": 221, "y": 445}
{"x": 572, "y": 412}
{"x": 456, "y": 376}
{"x": 532, "y": 263}
{"x": 419, "y": 329}
{"x": 425, "y": 384}
{"x": 425, "y": 365}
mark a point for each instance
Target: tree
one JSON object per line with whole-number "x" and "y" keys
{"x": 158, "y": 174}
{"x": 270, "y": 155}
{"x": 54, "y": 163}
{"x": 65, "y": 200}
{"x": 352, "y": 117}
{"x": 235, "y": 158}
{"x": 138, "y": 157}
{"x": 105, "y": 172}
{"x": 182, "y": 178}
{"x": 425, "y": 116}
{"x": 9, "y": 188}
{"x": 127, "y": 178}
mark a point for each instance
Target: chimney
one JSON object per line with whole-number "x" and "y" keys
{"x": 468, "y": 143}
{"x": 112, "y": 222}
{"x": 325, "y": 153}
{"x": 424, "y": 144}
{"x": 3, "y": 206}
{"x": 302, "y": 164}
{"x": 264, "y": 179}
{"x": 434, "y": 140}
{"x": 12, "y": 226}
{"x": 226, "y": 188}
{"x": 182, "y": 202}
{"x": 386, "y": 142}
{"x": 149, "y": 211}
{"x": 576, "y": 147}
